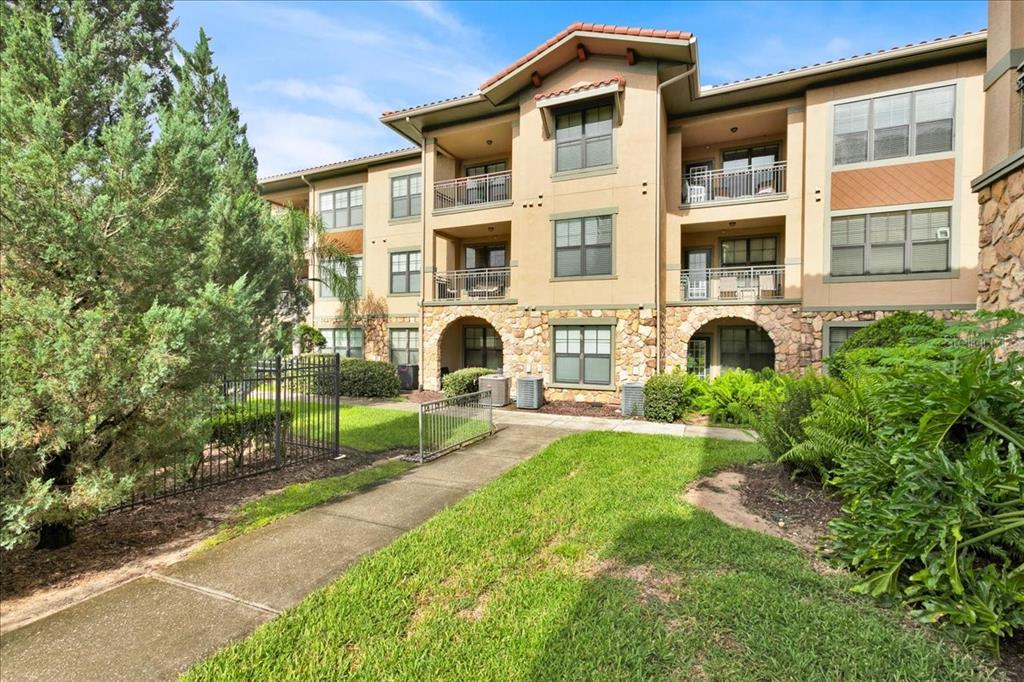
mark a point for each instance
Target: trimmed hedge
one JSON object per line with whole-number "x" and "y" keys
{"x": 667, "y": 397}
{"x": 360, "y": 379}
{"x": 237, "y": 430}
{"x": 464, "y": 380}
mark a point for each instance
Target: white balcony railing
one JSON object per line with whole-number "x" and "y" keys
{"x": 472, "y": 285}
{"x": 475, "y": 190}
{"x": 748, "y": 283}
{"x": 704, "y": 187}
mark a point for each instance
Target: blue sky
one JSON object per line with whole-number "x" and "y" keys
{"x": 312, "y": 78}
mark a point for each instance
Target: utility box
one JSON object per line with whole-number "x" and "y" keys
{"x": 498, "y": 385}
{"x": 529, "y": 393}
{"x": 632, "y": 399}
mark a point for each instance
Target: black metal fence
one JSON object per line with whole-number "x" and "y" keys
{"x": 449, "y": 423}
{"x": 281, "y": 412}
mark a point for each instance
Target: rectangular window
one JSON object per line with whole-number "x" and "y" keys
{"x": 333, "y": 266}
{"x": 882, "y": 244}
{"x": 342, "y": 208}
{"x": 481, "y": 348}
{"x": 583, "y": 247}
{"x": 755, "y": 251}
{"x": 837, "y": 336}
{"x": 583, "y": 138}
{"x": 894, "y": 126}
{"x": 583, "y": 355}
{"x": 404, "y": 345}
{"x": 406, "y": 195}
{"x": 405, "y": 272}
{"x": 745, "y": 348}
{"x": 348, "y": 342}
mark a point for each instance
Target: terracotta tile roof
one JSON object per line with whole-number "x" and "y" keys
{"x": 581, "y": 88}
{"x": 368, "y": 157}
{"x": 841, "y": 60}
{"x": 594, "y": 28}
{"x": 430, "y": 104}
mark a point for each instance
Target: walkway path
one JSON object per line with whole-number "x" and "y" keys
{"x": 157, "y": 625}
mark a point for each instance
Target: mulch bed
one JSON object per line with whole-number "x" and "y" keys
{"x": 422, "y": 396}
{"x": 160, "y": 527}
{"x": 580, "y": 409}
{"x": 771, "y": 493}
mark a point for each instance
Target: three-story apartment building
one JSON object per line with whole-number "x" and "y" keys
{"x": 593, "y": 215}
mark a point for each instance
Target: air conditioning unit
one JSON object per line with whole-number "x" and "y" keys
{"x": 632, "y": 399}
{"x": 498, "y": 386}
{"x": 942, "y": 233}
{"x": 529, "y": 393}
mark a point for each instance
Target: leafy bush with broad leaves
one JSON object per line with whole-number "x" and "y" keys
{"x": 928, "y": 459}
{"x": 463, "y": 381}
{"x": 737, "y": 396}
{"x": 670, "y": 396}
{"x": 778, "y": 422}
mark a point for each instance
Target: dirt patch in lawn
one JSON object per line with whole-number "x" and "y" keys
{"x": 764, "y": 498}
{"x": 125, "y": 544}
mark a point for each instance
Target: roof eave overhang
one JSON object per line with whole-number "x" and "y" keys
{"x": 297, "y": 179}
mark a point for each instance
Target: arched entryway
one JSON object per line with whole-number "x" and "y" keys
{"x": 729, "y": 343}
{"x": 470, "y": 342}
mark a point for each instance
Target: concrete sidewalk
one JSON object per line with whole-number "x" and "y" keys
{"x": 156, "y": 626}
{"x": 510, "y": 416}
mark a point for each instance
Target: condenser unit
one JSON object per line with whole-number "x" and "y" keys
{"x": 497, "y": 384}
{"x": 529, "y": 393}
{"x": 632, "y": 399}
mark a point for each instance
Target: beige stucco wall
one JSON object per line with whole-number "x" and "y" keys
{"x": 1002, "y": 109}
{"x": 959, "y": 287}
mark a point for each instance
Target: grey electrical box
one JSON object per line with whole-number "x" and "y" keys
{"x": 530, "y": 393}
{"x": 632, "y": 399}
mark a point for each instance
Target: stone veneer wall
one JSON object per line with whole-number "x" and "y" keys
{"x": 375, "y": 331}
{"x": 526, "y": 341}
{"x": 1001, "y": 242}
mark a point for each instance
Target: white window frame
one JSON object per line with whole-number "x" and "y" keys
{"x": 908, "y": 242}
{"x": 415, "y": 208}
{"x": 333, "y": 334}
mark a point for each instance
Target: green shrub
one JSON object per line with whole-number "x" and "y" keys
{"x": 928, "y": 459}
{"x": 737, "y": 396}
{"x": 778, "y": 423}
{"x": 368, "y": 378}
{"x": 667, "y": 397}
{"x": 463, "y": 380}
{"x": 903, "y": 329}
{"x": 241, "y": 429}
{"x": 310, "y": 338}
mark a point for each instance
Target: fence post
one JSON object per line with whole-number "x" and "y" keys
{"x": 277, "y": 411}
{"x": 421, "y": 433}
{"x": 337, "y": 405}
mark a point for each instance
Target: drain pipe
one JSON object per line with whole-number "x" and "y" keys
{"x": 309, "y": 208}
{"x": 423, "y": 245}
{"x": 657, "y": 215}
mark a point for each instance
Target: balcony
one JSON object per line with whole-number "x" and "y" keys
{"x": 482, "y": 284}
{"x": 476, "y": 191}
{"x": 753, "y": 183}
{"x": 732, "y": 285}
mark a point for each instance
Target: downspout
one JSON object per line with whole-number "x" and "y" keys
{"x": 657, "y": 215}
{"x": 312, "y": 201}
{"x": 423, "y": 242}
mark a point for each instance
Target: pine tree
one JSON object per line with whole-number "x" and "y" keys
{"x": 139, "y": 262}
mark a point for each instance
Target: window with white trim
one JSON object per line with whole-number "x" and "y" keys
{"x": 583, "y": 137}
{"x": 341, "y": 208}
{"x": 583, "y": 246}
{"x": 891, "y": 242}
{"x": 404, "y": 346}
{"x": 347, "y": 341}
{"x": 894, "y": 126}
{"x": 327, "y": 265}
{"x": 405, "y": 272}
{"x": 583, "y": 355}
{"x": 406, "y": 195}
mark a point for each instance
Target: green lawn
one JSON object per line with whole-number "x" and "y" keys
{"x": 370, "y": 429}
{"x": 299, "y": 496}
{"x": 583, "y": 563}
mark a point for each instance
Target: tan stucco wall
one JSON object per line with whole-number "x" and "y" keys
{"x": 1002, "y": 105}
{"x": 959, "y": 288}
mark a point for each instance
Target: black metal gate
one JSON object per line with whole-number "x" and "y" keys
{"x": 283, "y": 411}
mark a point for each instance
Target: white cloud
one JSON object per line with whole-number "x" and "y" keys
{"x": 436, "y": 12}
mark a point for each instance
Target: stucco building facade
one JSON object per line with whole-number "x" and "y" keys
{"x": 593, "y": 215}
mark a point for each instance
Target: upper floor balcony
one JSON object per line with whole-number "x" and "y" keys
{"x": 474, "y": 191}
{"x": 752, "y": 283}
{"x": 703, "y": 185}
